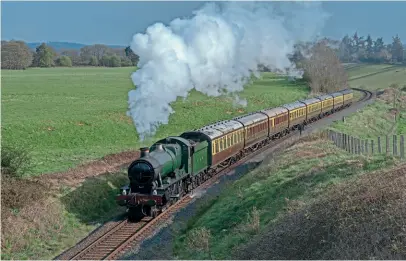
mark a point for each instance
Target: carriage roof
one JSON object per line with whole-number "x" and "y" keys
{"x": 324, "y": 97}
{"x": 293, "y": 105}
{"x": 251, "y": 118}
{"x": 346, "y": 91}
{"x": 272, "y": 112}
{"x": 310, "y": 101}
{"x": 221, "y": 128}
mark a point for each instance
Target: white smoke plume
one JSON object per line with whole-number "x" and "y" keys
{"x": 215, "y": 52}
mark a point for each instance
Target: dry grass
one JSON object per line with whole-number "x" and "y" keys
{"x": 39, "y": 219}
{"x": 363, "y": 218}
{"x": 199, "y": 239}
{"x": 32, "y": 226}
{"x": 253, "y": 220}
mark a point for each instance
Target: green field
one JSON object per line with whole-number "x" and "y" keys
{"x": 66, "y": 116}
{"x": 376, "y": 120}
{"x": 385, "y": 76}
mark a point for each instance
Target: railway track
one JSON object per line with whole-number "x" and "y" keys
{"x": 122, "y": 237}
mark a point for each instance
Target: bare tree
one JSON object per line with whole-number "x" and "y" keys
{"x": 323, "y": 69}
{"x": 15, "y": 55}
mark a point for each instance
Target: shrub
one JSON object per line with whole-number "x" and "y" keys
{"x": 64, "y": 61}
{"x": 14, "y": 161}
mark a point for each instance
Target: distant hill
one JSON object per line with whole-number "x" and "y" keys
{"x": 66, "y": 45}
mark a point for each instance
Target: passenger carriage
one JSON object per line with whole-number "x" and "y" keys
{"x": 278, "y": 121}
{"x": 297, "y": 114}
{"x": 313, "y": 109}
{"x": 255, "y": 127}
{"x": 338, "y": 100}
{"x": 327, "y": 103}
{"x": 347, "y": 97}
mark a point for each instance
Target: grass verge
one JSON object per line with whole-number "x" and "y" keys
{"x": 40, "y": 221}
{"x": 362, "y": 218}
{"x": 300, "y": 174}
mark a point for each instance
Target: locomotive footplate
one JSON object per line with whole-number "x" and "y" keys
{"x": 141, "y": 199}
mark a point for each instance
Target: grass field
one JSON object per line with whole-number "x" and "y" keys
{"x": 66, "y": 116}
{"x": 381, "y": 80}
{"x": 376, "y": 119}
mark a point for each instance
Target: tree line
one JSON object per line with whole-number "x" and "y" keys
{"x": 365, "y": 49}
{"x": 17, "y": 55}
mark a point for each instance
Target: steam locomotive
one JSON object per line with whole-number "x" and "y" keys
{"x": 174, "y": 166}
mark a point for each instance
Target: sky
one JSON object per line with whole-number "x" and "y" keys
{"x": 117, "y": 22}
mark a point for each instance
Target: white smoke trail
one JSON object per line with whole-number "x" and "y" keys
{"x": 215, "y": 52}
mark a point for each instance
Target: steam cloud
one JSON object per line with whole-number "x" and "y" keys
{"x": 215, "y": 52}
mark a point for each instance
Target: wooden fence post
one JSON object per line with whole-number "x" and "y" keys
{"x": 345, "y": 142}
{"x": 387, "y": 144}
{"x": 362, "y": 147}
{"x": 395, "y": 145}
{"x": 342, "y": 141}
{"x": 359, "y": 146}
{"x": 372, "y": 147}
{"x": 351, "y": 144}
{"x": 366, "y": 146}
{"x": 402, "y": 146}
{"x": 379, "y": 145}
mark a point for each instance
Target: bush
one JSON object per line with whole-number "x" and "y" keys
{"x": 125, "y": 62}
{"x": 64, "y": 61}
{"x": 14, "y": 161}
{"x": 110, "y": 61}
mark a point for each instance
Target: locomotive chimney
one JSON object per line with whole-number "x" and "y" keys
{"x": 144, "y": 151}
{"x": 159, "y": 147}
